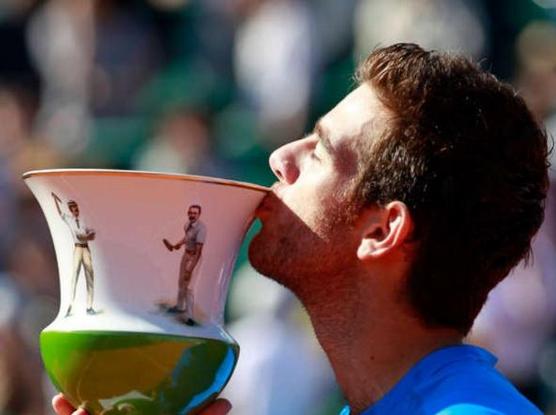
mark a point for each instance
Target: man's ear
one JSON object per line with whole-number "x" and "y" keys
{"x": 383, "y": 230}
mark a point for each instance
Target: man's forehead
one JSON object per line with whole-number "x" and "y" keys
{"x": 356, "y": 110}
{"x": 354, "y": 119}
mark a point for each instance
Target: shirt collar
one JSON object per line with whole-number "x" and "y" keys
{"x": 435, "y": 360}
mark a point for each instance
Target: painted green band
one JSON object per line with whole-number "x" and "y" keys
{"x": 137, "y": 373}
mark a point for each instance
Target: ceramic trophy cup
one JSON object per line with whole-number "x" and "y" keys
{"x": 144, "y": 262}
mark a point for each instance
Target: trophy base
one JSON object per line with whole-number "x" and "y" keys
{"x": 112, "y": 373}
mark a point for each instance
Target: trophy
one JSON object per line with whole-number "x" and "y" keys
{"x": 144, "y": 262}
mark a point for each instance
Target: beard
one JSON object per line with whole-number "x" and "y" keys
{"x": 307, "y": 256}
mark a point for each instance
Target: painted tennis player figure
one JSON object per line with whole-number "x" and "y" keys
{"x": 81, "y": 253}
{"x": 194, "y": 239}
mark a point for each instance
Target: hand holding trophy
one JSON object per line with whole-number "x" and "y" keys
{"x": 63, "y": 407}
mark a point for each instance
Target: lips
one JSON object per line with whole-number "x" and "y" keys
{"x": 265, "y": 207}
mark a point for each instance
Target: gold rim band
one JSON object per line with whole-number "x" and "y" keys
{"x": 151, "y": 175}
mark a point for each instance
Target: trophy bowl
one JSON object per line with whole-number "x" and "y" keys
{"x": 144, "y": 261}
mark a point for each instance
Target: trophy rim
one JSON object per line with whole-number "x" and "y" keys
{"x": 148, "y": 174}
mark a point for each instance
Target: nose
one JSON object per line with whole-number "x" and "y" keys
{"x": 283, "y": 163}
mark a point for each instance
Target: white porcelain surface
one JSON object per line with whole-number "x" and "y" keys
{"x": 135, "y": 275}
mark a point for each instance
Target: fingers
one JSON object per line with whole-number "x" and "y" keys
{"x": 218, "y": 407}
{"x": 63, "y": 407}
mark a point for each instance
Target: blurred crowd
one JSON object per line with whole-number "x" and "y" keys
{"x": 210, "y": 87}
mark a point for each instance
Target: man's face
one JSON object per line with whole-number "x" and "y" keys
{"x": 193, "y": 214}
{"x": 307, "y": 230}
{"x": 74, "y": 209}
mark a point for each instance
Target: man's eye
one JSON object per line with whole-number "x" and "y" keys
{"x": 314, "y": 155}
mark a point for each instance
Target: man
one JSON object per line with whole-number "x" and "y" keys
{"x": 81, "y": 252}
{"x": 194, "y": 239}
{"x": 393, "y": 220}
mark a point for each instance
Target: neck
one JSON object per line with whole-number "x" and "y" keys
{"x": 371, "y": 338}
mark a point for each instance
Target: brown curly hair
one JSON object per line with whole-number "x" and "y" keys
{"x": 467, "y": 157}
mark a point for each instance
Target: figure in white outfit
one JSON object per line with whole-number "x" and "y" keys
{"x": 81, "y": 252}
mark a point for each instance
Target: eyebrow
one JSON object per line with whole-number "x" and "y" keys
{"x": 324, "y": 138}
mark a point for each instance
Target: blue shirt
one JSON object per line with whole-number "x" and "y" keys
{"x": 454, "y": 380}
